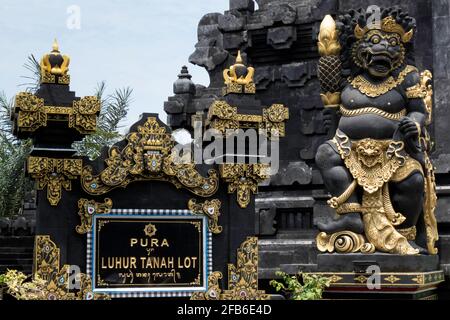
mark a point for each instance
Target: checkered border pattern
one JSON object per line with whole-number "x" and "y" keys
{"x": 168, "y": 212}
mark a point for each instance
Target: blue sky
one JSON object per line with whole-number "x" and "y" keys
{"x": 137, "y": 43}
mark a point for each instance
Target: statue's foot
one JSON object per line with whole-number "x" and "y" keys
{"x": 349, "y": 222}
{"x": 416, "y": 246}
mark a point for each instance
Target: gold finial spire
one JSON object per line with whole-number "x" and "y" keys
{"x": 239, "y": 58}
{"x": 55, "y": 46}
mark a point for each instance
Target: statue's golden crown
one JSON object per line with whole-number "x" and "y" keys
{"x": 389, "y": 25}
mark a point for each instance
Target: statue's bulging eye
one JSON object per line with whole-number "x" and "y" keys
{"x": 393, "y": 42}
{"x": 375, "y": 39}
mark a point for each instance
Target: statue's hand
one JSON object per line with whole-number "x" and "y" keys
{"x": 410, "y": 132}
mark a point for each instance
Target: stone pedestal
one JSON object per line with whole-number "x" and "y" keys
{"x": 380, "y": 276}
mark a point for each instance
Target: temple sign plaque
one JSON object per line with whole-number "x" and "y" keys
{"x": 149, "y": 254}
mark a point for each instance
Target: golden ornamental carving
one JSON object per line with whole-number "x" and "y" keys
{"x": 226, "y": 119}
{"x": 328, "y": 38}
{"x": 57, "y": 281}
{"x": 30, "y": 110}
{"x": 409, "y": 233}
{"x": 375, "y": 90}
{"x": 331, "y": 99}
{"x": 84, "y": 114}
{"x": 374, "y": 163}
{"x": 55, "y": 67}
{"x": 343, "y": 242}
{"x": 429, "y": 207}
{"x": 87, "y": 209}
{"x": 242, "y": 278}
{"x": 388, "y": 25}
{"x": 148, "y": 156}
{"x": 239, "y": 78}
{"x": 209, "y": 208}
{"x": 55, "y": 174}
{"x": 150, "y": 230}
{"x": 244, "y": 179}
{"x": 33, "y": 114}
{"x": 423, "y": 90}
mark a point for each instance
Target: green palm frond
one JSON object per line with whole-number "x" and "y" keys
{"x": 34, "y": 79}
{"x": 114, "y": 108}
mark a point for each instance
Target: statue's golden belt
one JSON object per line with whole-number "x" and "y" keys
{"x": 372, "y": 110}
{"x": 373, "y": 163}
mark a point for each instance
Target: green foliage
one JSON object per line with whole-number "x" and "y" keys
{"x": 34, "y": 79}
{"x": 2, "y": 279}
{"x": 21, "y": 289}
{"x": 302, "y": 286}
{"x": 13, "y": 155}
{"x": 114, "y": 108}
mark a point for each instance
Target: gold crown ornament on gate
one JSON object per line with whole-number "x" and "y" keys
{"x": 55, "y": 66}
{"x": 239, "y": 78}
{"x": 388, "y": 25}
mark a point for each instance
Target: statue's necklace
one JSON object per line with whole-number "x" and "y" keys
{"x": 375, "y": 90}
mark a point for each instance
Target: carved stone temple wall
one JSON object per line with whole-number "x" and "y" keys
{"x": 279, "y": 40}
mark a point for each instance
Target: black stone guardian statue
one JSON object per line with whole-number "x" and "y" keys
{"x": 376, "y": 167}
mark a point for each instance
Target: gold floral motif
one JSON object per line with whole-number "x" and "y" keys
{"x": 150, "y": 230}
{"x": 244, "y": 179}
{"x": 30, "y": 110}
{"x": 148, "y": 156}
{"x": 197, "y": 225}
{"x": 331, "y": 100}
{"x": 361, "y": 279}
{"x": 346, "y": 208}
{"x": 274, "y": 119}
{"x": 420, "y": 279}
{"x": 55, "y": 174}
{"x": 211, "y": 209}
{"x": 47, "y": 77}
{"x": 392, "y": 279}
{"x": 375, "y": 90}
{"x": 224, "y": 118}
{"x": 242, "y": 278}
{"x": 33, "y": 114}
{"x": 87, "y": 209}
{"x": 335, "y": 278}
{"x": 409, "y": 233}
{"x": 84, "y": 114}
{"x": 343, "y": 242}
{"x": 47, "y": 268}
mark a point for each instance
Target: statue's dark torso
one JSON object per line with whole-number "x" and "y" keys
{"x": 370, "y": 125}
